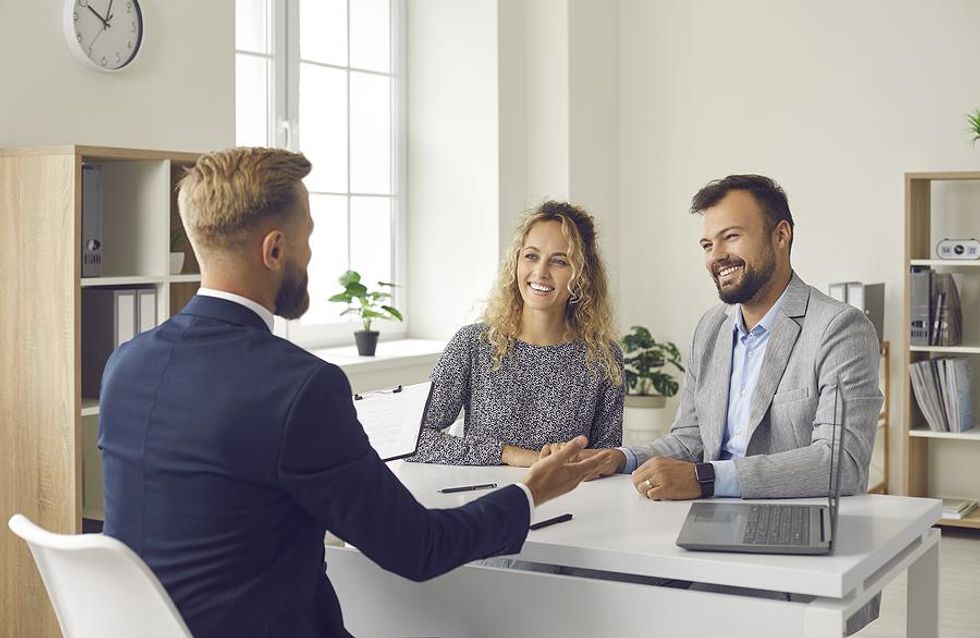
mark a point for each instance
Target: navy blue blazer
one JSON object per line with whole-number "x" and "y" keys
{"x": 228, "y": 452}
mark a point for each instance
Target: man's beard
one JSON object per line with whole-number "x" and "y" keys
{"x": 753, "y": 280}
{"x": 293, "y": 298}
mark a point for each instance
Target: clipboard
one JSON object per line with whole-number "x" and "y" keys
{"x": 393, "y": 418}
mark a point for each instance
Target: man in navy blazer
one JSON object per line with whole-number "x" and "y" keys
{"x": 228, "y": 452}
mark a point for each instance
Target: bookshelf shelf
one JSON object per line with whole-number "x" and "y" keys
{"x": 947, "y": 263}
{"x": 90, "y": 407}
{"x": 971, "y": 520}
{"x": 136, "y": 280}
{"x": 946, "y": 349}
{"x": 48, "y": 430}
{"x": 939, "y": 205}
{"x": 971, "y": 435}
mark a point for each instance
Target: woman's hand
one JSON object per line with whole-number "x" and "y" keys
{"x": 551, "y": 448}
{"x": 518, "y": 456}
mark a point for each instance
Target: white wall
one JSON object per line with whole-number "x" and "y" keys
{"x": 836, "y": 100}
{"x": 179, "y": 94}
{"x": 452, "y": 162}
{"x": 509, "y": 103}
{"x": 593, "y": 97}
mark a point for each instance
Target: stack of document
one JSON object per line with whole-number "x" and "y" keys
{"x": 942, "y": 390}
{"x": 957, "y": 507}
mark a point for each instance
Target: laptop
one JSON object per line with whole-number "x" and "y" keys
{"x": 771, "y": 528}
{"x": 392, "y": 419}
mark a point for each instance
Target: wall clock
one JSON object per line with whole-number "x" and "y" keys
{"x": 104, "y": 34}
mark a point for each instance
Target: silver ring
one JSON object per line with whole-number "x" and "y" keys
{"x": 648, "y": 484}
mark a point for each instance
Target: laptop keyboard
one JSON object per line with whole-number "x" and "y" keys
{"x": 778, "y": 525}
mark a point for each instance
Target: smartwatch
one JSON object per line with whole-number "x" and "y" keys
{"x": 705, "y": 475}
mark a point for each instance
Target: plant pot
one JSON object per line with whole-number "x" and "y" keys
{"x": 644, "y": 419}
{"x": 645, "y": 401}
{"x": 367, "y": 342}
{"x": 176, "y": 263}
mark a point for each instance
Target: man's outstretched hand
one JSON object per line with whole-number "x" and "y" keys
{"x": 561, "y": 471}
{"x": 613, "y": 461}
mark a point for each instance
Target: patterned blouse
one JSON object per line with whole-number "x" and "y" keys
{"x": 541, "y": 394}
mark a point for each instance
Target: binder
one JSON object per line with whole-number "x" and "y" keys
{"x": 920, "y": 298}
{"x": 146, "y": 303}
{"x": 91, "y": 220}
{"x": 109, "y": 319}
{"x": 392, "y": 419}
{"x": 838, "y": 291}
{"x": 868, "y": 298}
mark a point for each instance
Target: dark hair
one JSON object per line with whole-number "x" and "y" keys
{"x": 769, "y": 195}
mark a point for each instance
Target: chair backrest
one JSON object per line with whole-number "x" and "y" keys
{"x": 100, "y": 587}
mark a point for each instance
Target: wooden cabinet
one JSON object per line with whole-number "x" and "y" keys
{"x": 941, "y": 464}
{"x": 50, "y": 469}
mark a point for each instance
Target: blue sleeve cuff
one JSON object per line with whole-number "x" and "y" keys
{"x": 630, "y": 459}
{"x": 726, "y": 479}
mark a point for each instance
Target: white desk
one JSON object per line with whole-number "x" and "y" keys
{"x": 615, "y": 529}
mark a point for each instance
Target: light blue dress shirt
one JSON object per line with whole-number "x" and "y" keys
{"x": 747, "y": 354}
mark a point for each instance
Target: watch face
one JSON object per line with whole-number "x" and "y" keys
{"x": 105, "y": 33}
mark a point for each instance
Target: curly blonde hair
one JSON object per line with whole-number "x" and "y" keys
{"x": 588, "y": 313}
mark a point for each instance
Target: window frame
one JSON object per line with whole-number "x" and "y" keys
{"x": 284, "y": 130}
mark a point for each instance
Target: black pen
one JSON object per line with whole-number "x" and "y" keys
{"x": 552, "y": 521}
{"x": 467, "y": 488}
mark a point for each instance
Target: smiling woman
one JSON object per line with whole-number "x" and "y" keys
{"x": 543, "y": 366}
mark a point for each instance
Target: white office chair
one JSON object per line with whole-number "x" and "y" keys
{"x": 99, "y": 587}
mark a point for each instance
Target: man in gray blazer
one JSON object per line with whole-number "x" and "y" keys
{"x": 757, "y": 407}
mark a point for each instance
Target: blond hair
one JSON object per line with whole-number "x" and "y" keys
{"x": 588, "y": 313}
{"x": 226, "y": 193}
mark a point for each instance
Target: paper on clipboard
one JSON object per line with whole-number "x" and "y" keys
{"x": 392, "y": 419}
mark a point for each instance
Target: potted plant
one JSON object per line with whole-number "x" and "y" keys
{"x": 647, "y": 384}
{"x": 176, "y": 255}
{"x": 974, "y": 120}
{"x": 369, "y": 307}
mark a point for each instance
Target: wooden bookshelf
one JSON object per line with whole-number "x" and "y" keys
{"x": 47, "y": 429}
{"x": 923, "y": 229}
{"x": 970, "y": 521}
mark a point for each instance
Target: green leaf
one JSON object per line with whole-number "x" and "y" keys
{"x": 393, "y": 312}
{"x": 385, "y": 283}
{"x": 341, "y": 297}
{"x": 355, "y": 311}
{"x": 356, "y": 290}
{"x": 349, "y": 277}
{"x": 643, "y": 360}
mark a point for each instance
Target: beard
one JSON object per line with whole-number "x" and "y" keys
{"x": 293, "y": 298}
{"x": 754, "y": 278}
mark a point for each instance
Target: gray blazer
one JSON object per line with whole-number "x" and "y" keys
{"x": 814, "y": 340}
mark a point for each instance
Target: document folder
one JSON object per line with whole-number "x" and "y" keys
{"x": 392, "y": 419}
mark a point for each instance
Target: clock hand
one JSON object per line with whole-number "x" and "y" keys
{"x": 101, "y": 19}
{"x": 108, "y": 13}
{"x": 92, "y": 43}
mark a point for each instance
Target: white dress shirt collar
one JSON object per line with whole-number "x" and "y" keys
{"x": 257, "y": 308}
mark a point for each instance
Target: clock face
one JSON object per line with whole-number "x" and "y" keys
{"x": 106, "y": 34}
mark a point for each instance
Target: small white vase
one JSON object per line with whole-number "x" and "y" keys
{"x": 176, "y": 263}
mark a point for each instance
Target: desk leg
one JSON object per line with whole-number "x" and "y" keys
{"x": 922, "y": 611}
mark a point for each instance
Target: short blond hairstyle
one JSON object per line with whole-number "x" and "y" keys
{"x": 588, "y": 313}
{"x": 224, "y": 195}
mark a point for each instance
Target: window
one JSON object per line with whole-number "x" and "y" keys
{"x": 324, "y": 77}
